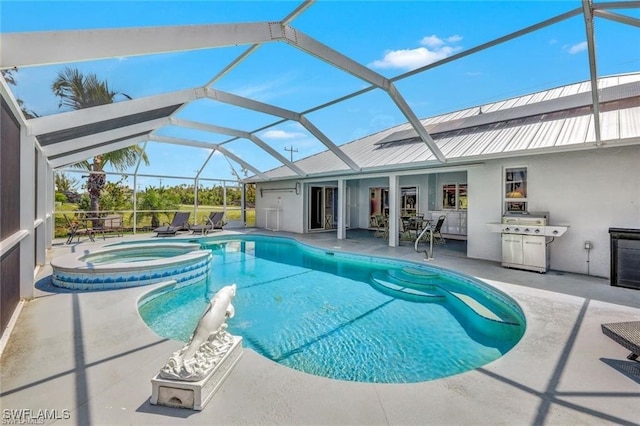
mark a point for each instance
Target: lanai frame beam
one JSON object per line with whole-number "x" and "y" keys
{"x": 593, "y": 68}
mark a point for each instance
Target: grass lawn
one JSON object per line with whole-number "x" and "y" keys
{"x": 232, "y": 214}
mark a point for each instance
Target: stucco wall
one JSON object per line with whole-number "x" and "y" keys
{"x": 590, "y": 190}
{"x": 281, "y": 196}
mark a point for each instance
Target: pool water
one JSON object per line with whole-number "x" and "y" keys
{"x": 325, "y": 313}
{"x": 134, "y": 254}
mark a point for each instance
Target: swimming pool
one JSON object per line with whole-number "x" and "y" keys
{"x": 345, "y": 316}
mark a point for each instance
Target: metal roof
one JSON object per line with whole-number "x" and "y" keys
{"x": 541, "y": 122}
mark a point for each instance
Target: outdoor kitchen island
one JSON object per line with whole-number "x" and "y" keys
{"x": 525, "y": 239}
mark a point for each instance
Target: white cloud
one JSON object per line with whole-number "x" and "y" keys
{"x": 281, "y": 134}
{"x": 577, "y": 48}
{"x": 432, "y": 41}
{"x": 454, "y": 39}
{"x": 412, "y": 58}
{"x": 434, "y": 49}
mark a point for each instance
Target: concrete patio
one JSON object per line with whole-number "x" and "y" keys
{"x": 91, "y": 354}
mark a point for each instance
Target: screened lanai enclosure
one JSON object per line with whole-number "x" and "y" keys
{"x": 227, "y": 98}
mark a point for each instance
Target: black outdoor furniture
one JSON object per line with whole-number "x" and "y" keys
{"x": 626, "y": 334}
{"x": 214, "y": 221}
{"x": 180, "y": 222}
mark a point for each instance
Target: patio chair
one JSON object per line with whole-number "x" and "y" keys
{"x": 406, "y": 228}
{"x": 382, "y": 228}
{"x": 626, "y": 334}
{"x": 77, "y": 228}
{"x": 436, "y": 231}
{"x": 180, "y": 222}
{"x": 214, "y": 221}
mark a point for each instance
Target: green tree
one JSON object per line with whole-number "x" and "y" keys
{"x": 67, "y": 187}
{"x": 78, "y": 91}
{"x": 151, "y": 204}
{"x": 64, "y": 183}
{"x": 251, "y": 195}
{"x": 116, "y": 196}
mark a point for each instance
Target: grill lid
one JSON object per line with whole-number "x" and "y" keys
{"x": 526, "y": 218}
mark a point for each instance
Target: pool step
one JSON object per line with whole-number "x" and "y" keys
{"x": 422, "y": 273}
{"x": 414, "y": 277}
{"x": 477, "y": 307}
{"x": 391, "y": 286}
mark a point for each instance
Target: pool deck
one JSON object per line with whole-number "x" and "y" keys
{"x": 91, "y": 354}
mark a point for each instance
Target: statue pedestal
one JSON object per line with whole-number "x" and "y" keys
{"x": 195, "y": 395}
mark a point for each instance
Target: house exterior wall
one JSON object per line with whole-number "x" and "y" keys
{"x": 283, "y": 197}
{"x": 591, "y": 191}
{"x": 438, "y": 180}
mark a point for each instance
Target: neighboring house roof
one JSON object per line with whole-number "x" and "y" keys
{"x": 547, "y": 121}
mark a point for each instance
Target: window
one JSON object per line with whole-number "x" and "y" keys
{"x": 515, "y": 189}
{"x": 462, "y": 196}
{"x": 454, "y": 196}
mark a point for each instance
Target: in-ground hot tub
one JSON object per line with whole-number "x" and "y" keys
{"x": 132, "y": 265}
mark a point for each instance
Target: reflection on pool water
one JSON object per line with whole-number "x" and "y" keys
{"x": 345, "y": 316}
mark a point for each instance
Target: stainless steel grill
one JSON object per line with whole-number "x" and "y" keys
{"x": 525, "y": 240}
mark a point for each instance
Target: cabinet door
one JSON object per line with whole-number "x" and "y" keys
{"x": 512, "y": 249}
{"x": 453, "y": 220}
{"x": 534, "y": 250}
{"x": 463, "y": 223}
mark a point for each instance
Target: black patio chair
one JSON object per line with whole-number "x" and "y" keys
{"x": 180, "y": 222}
{"x": 437, "y": 235}
{"x": 214, "y": 221}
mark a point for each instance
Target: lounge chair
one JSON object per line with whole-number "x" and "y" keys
{"x": 214, "y": 221}
{"x": 77, "y": 229}
{"x": 626, "y": 334}
{"x": 180, "y": 222}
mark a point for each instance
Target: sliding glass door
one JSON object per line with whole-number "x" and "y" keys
{"x": 323, "y": 207}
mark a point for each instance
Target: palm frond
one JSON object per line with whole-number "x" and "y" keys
{"x": 78, "y": 91}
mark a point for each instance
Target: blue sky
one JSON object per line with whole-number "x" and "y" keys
{"x": 390, "y": 37}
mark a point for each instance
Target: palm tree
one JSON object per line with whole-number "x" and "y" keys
{"x": 78, "y": 91}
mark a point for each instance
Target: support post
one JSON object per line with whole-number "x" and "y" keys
{"x": 342, "y": 209}
{"x": 394, "y": 218}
